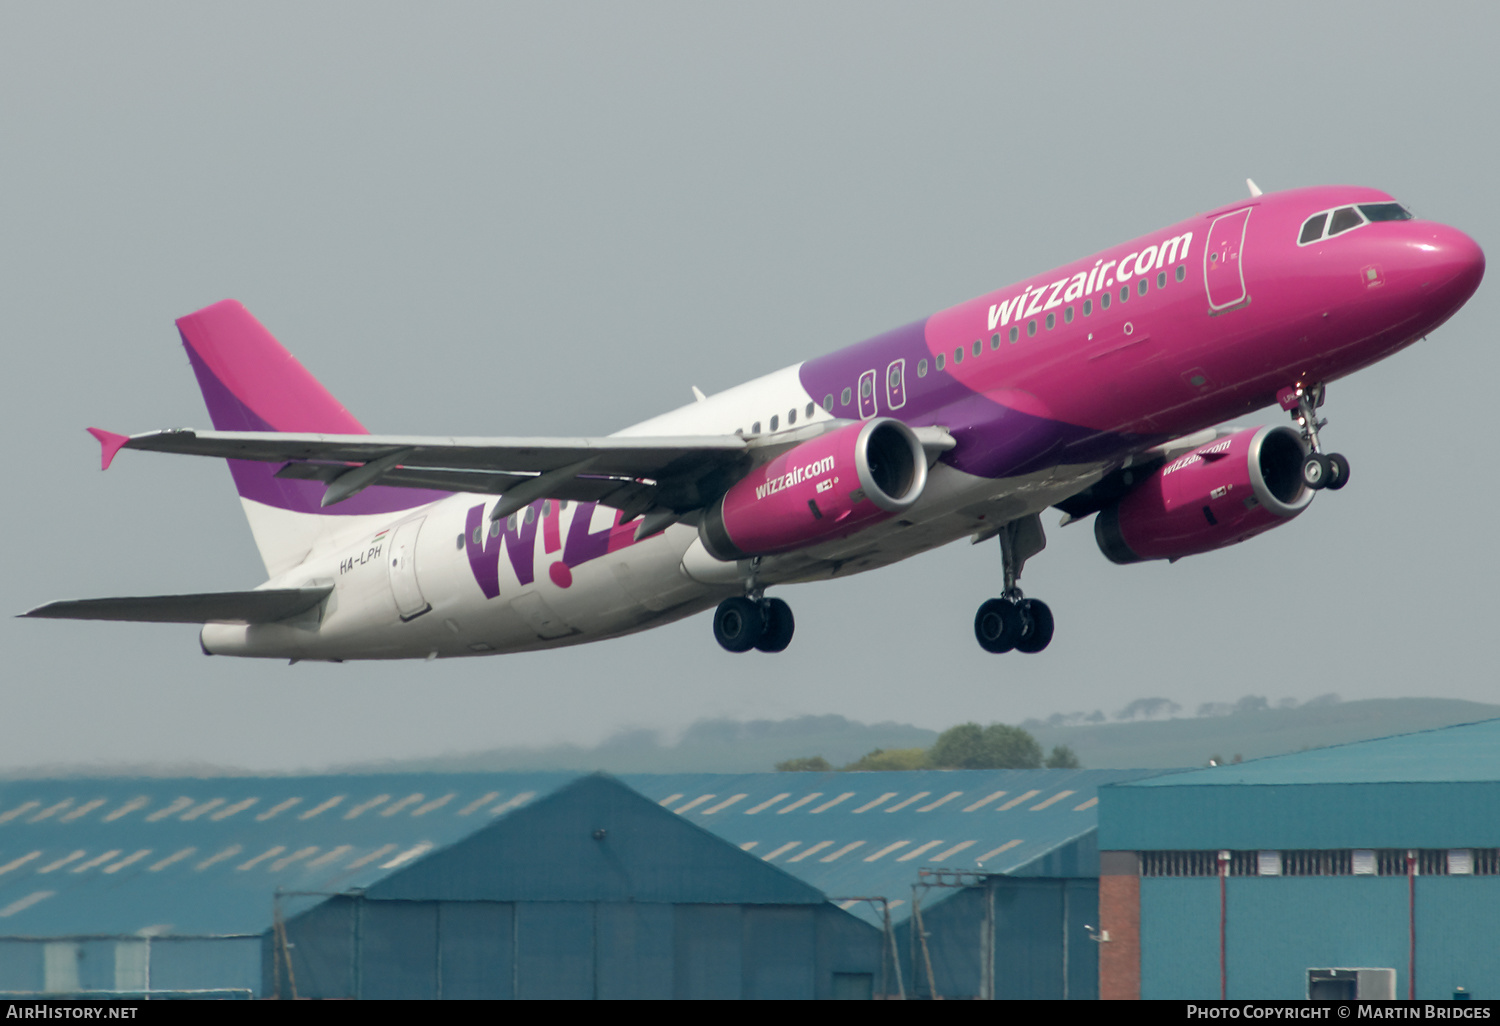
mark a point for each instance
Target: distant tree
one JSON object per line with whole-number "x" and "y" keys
{"x": 1215, "y": 709}
{"x": 1148, "y": 708}
{"x": 1095, "y": 717}
{"x": 1331, "y": 698}
{"x": 1063, "y": 757}
{"x": 1252, "y": 703}
{"x": 969, "y": 746}
{"x": 1286, "y": 703}
{"x": 813, "y": 764}
{"x": 895, "y": 759}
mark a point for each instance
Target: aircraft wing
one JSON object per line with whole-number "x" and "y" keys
{"x": 634, "y": 474}
{"x": 666, "y": 476}
{"x": 264, "y": 606}
{"x": 631, "y": 457}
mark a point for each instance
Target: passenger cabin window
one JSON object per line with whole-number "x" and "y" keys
{"x": 828, "y": 402}
{"x": 774, "y": 421}
{"x": 1051, "y": 321}
{"x": 755, "y": 428}
{"x": 791, "y": 417}
{"x": 978, "y": 346}
{"x": 995, "y": 341}
{"x": 921, "y": 368}
{"x": 958, "y": 355}
{"x": 1015, "y": 334}
{"x": 810, "y": 408}
{"x": 939, "y": 361}
{"x": 845, "y": 396}
{"x": 1142, "y": 286}
{"x": 1181, "y": 272}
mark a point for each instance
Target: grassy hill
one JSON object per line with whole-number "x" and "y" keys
{"x": 708, "y": 746}
{"x": 727, "y": 746}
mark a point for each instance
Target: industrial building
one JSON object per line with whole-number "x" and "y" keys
{"x": 984, "y": 881}
{"x": 954, "y": 884}
{"x": 1362, "y": 870}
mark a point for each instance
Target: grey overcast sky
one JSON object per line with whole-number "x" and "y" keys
{"x": 556, "y": 218}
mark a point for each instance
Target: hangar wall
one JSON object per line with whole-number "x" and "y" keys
{"x": 574, "y": 950}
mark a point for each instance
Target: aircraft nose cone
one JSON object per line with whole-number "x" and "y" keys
{"x": 1453, "y": 265}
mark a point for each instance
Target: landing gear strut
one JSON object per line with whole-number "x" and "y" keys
{"x": 1013, "y": 621}
{"x": 1319, "y": 470}
{"x": 754, "y": 621}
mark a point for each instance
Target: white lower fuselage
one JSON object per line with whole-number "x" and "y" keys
{"x": 405, "y": 585}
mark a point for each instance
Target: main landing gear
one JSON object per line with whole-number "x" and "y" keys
{"x": 1319, "y": 470}
{"x": 1013, "y": 621}
{"x": 754, "y": 621}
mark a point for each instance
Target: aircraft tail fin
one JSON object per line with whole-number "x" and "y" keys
{"x": 251, "y": 383}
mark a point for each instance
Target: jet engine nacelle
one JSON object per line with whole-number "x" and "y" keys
{"x": 1216, "y": 495}
{"x": 827, "y": 487}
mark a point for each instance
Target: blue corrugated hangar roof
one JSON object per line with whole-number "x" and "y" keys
{"x": 867, "y": 834}
{"x": 1468, "y": 752}
{"x": 203, "y": 857}
{"x": 1430, "y": 789}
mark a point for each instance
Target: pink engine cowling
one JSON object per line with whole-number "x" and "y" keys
{"x": 826, "y": 488}
{"x": 1216, "y": 495}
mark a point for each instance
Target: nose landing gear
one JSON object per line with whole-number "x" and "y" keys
{"x": 754, "y": 621}
{"x": 1319, "y": 470}
{"x": 1012, "y": 621}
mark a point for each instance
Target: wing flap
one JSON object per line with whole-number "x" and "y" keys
{"x": 264, "y": 606}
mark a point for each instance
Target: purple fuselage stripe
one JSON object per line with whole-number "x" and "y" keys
{"x": 258, "y": 481}
{"x": 994, "y": 441}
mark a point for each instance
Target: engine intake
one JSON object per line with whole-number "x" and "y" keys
{"x": 1216, "y": 495}
{"x": 828, "y": 487}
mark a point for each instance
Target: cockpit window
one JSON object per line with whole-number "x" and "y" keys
{"x": 1385, "y": 212}
{"x": 1343, "y": 219}
{"x": 1328, "y": 223}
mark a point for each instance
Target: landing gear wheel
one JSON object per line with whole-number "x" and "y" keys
{"x": 1317, "y": 471}
{"x": 779, "y": 625}
{"x": 998, "y": 625}
{"x": 739, "y": 624}
{"x": 1338, "y": 471}
{"x": 1038, "y": 620}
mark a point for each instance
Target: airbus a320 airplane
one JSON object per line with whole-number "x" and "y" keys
{"x": 1093, "y": 388}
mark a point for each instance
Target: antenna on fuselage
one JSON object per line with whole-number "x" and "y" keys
{"x": 698, "y": 395}
{"x": 1254, "y": 189}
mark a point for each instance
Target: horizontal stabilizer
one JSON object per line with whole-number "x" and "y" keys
{"x": 265, "y": 606}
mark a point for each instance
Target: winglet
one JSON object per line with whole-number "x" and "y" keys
{"x": 109, "y": 443}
